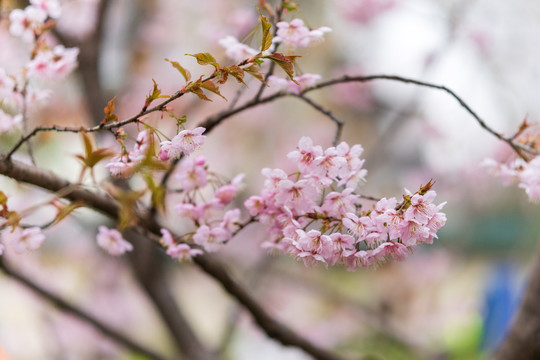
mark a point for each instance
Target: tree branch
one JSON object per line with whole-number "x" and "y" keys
{"x": 215, "y": 120}
{"x": 326, "y": 112}
{"x": 64, "y": 306}
{"x": 209, "y": 264}
{"x": 148, "y": 270}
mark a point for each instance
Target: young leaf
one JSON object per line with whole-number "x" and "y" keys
{"x": 91, "y": 157}
{"x": 222, "y": 76}
{"x": 109, "y": 116}
{"x": 154, "y": 95}
{"x": 66, "y": 210}
{"x": 283, "y": 61}
{"x": 210, "y": 86}
{"x": 185, "y": 73}
{"x": 266, "y": 35}
{"x": 253, "y": 70}
{"x": 205, "y": 59}
{"x": 237, "y": 72}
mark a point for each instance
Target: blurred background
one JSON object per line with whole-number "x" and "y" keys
{"x": 450, "y": 300}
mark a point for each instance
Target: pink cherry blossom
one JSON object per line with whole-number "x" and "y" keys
{"x": 121, "y": 166}
{"x": 192, "y": 174}
{"x": 296, "y": 34}
{"x": 235, "y": 50}
{"x": 305, "y": 153}
{"x": 51, "y": 7}
{"x": 211, "y": 239}
{"x": 181, "y": 252}
{"x": 186, "y": 142}
{"x": 27, "y": 23}
{"x": 309, "y": 217}
{"x": 53, "y": 64}
{"x": 112, "y": 241}
{"x": 24, "y": 239}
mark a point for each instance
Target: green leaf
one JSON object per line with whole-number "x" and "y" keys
{"x": 210, "y": 86}
{"x": 185, "y": 73}
{"x": 205, "y": 59}
{"x": 154, "y": 95}
{"x": 266, "y": 35}
{"x": 283, "y": 61}
{"x": 237, "y": 72}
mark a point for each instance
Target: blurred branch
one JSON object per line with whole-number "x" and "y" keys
{"x": 90, "y": 53}
{"x": 522, "y": 341}
{"x": 149, "y": 272}
{"x": 64, "y": 306}
{"x": 209, "y": 264}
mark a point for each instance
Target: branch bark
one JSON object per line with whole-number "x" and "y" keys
{"x": 148, "y": 269}
{"x": 64, "y": 306}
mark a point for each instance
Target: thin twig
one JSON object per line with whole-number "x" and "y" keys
{"x": 215, "y": 120}
{"x": 64, "y": 306}
{"x": 328, "y": 113}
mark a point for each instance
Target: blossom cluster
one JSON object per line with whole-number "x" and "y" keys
{"x": 184, "y": 143}
{"x": 526, "y": 173}
{"x": 295, "y": 34}
{"x": 47, "y": 60}
{"x": 214, "y": 225}
{"x": 315, "y": 214}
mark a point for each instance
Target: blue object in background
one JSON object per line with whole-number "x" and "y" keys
{"x": 500, "y": 303}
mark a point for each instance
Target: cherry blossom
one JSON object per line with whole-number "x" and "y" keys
{"x": 193, "y": 174}
{"x": 235, "y": 50}
{"x": 296, "y": 34}
{"x": 186, "y": 142}
{"x": 27, "y": 23}
{"x": 112, "y": 241}
{"x": 211, "y": 239}
{"x": 181, "y": 252}
{"x": 316, "y": 217}
{"x": 24, "y": 239}
{"x": 51, "y": 7}
{"x": 55, "y": 63}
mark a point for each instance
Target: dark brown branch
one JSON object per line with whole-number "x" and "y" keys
{"x": 326, "y": 112}
{"x": 518, "y": 148}
{"x": 64, "y": 306}
{"x": 215, "y": 120}
{"x": 149, "y": 271}
{"x": 209, "y": 264}
{"x": 522, "y": 341}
